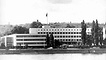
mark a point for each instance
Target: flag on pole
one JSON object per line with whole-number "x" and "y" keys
{"x": 46, "y": 14}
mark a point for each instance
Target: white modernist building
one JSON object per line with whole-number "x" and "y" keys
{"x": 31, "y": 40}
{"x": 37, "y": 36}
{"x": 66, "y": 35}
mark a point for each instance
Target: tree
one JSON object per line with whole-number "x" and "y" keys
{"x": 89, "y": 40}
{"x": 26, "y": 46}
{"x": 83, "y": 32}
{"x": 2, "y": 45}
{"x": 36, "y": 24}
{"x": 51, "y": 40}
{"x": 19, "y": 30}
{"x": 101, "y": 36}
{"x": 47, "y": 40}
{"x": 97, "y": 34}
{"x": 57, "y": 43}
{"x": 93, "y": 32}
{"x": 104, "y": 41}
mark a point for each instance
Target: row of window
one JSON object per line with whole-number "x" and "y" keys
{"x": 31, "y": 36}
{"x": 59, "y": 32}
{"x": 70, "y": 40}
{"x": 45, "y": 39}
{"x": 60, "y": 29}
{"x": 32, "y": 43}
{"x": 30, "y": 39}
{"x": 67, "y": 36}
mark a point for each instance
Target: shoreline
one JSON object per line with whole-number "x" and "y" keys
{"x": 53, "y": 51}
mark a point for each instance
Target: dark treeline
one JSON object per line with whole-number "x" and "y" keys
{"x": 18, "y": 29}
{"x": 96, "y": 36}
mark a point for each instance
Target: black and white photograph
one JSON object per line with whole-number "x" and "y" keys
{"x": 52, "y": 29}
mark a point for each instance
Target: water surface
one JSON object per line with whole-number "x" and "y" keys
{"x": 54, "y": 57}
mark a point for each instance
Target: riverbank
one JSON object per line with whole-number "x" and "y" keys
{"x": 53, "y": 51}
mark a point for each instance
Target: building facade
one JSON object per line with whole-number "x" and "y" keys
{"x": 23, "y": 40}
{"x": 37, "y": 37}
{"x": 66, "y": 35}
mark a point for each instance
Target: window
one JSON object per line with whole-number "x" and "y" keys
{"x": 71, "y": 32}
{"x": 38, "y": 30}
{"x": 58, "y": 29}
{"x": 72, "y": 36}
{"x": 55, "y": 36}
{"x": 60, "y": 36}
{"x": 77, "y": 29}
{"x": 52, "y": 32}
{"x": 55, "y": 29}
{"x": 60, "y": 32}
{"x": 44, "y": 29}
{"x": 41, "y": 32}
{"x": 63, "y": 32}
{"x": 63, "y": 36}
{"x": 41, "y": 29}
{"x": 66, "y": 39}
{"x": 74, "y": 32}
{"x": 77, "y": 32}
{"x": 49, "y": 29}
{"x": 19, "y": 40}
{"x": 71, "y": 39}
{"x": 49, "y": 32}
{"x": 57, "y": 32}
{"x": 46, "y": 32}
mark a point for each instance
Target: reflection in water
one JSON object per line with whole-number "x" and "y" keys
{"x": 55, "y": 57}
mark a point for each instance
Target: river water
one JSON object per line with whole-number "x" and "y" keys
{"x": 54, "y": 57}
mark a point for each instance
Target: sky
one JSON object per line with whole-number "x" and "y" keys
{"x": 26, "y": 11}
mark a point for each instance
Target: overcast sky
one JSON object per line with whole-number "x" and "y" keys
{"x": 27, "y": 11}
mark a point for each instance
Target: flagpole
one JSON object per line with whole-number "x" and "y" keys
{"x": 47, "y": 17}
